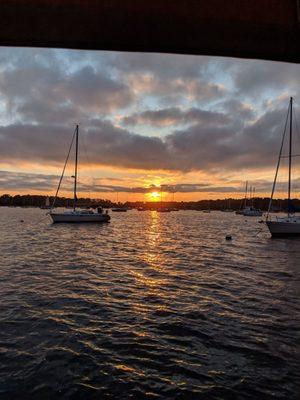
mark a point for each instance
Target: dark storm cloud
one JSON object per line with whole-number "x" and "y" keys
{"x": 174, "y": 116}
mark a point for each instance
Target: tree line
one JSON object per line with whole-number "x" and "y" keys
{"x": 219, "y": 204}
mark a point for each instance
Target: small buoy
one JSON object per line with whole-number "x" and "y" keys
{"x": 228, "y": 237}
{"x": 22, "y": 220}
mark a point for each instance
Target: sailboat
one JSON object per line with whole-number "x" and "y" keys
{"x": 46, "y": 206}
{"x": 251, "y": 211}
{"x": 119, "y": 208}
{"x": 228, "y": 209}
{"x": 244, "y": 202}
{"x": 289, "y": 225}
{"x": 173, "y": 201}
{"x": 76, "y": 215}
{"x": 162, "y": 208}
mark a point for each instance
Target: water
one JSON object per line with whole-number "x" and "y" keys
{"x": 151, "y": 306}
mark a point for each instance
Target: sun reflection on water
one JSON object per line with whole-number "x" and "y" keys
{"x": 151, "y": 276}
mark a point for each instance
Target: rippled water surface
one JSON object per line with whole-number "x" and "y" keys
{"x": 152, "y": 305}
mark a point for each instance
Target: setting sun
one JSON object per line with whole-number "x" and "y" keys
{"x": 154, "y": 196}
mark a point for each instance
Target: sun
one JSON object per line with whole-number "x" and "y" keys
{"x": 154, "y": 196}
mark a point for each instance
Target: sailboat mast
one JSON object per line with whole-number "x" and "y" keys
{"x": 246, "y": 194}
{"x": 76, "y": 164}
{"x": 290, "y": 156}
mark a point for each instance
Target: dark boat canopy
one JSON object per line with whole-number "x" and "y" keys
{"x": 263, "y": 29}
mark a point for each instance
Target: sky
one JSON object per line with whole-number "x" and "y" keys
{"x": 195, "y": 127}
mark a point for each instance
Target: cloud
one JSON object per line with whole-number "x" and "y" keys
{"x": 174, "y": 91}
{"x": 164, "y": 67}
{"x": 174, "y": 116}
{"x": 252, "y": 77}
{"x": 41, "y": 93}
{"x": 242, "y": 112}
{"x": 200, "y": 147}
{"x": 94, "y": 91}
{"x": 47, "y": 183}
{"x": 217, "y": 115}
{"x": 19, "y": 181}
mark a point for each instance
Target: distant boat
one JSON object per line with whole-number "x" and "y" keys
{"x": 120, "y": 208}
{"x": 206, "y": 211}
{"x": 162, "y": 208}
{"x": 141, "y": 209}
{"x": 77, "y": 215}
{"x": 252, "y": 212}
{"x": 228, "y": 209}
{"x": 46, "y": 206}
{"x": 244, "y": 202}
{"x": 289, "y": 225}
{"x": 249, "y": 211}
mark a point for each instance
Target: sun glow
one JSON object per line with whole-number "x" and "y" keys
{"x": 153, "y": 196}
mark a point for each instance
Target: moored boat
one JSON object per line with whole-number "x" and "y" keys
{"x": 252, "y": 212}
{"x": 46, "y": 206}
{"x": 76, "y": 215}
{"x": 249, "y": 210}
{"x": 289, "y": 225}
{"x": 80, "y": 216}
{"x": 228, "y": 209}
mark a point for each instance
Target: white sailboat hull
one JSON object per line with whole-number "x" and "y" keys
{"x": 253, "y": 213}
{"x": 284, "y": 228}
{"x": 77, "y": 217}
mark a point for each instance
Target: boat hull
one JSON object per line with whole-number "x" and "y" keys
{"x": 253, "y": 214}
{"x": 283, "y": 229}
{"x": 79, "y": 218}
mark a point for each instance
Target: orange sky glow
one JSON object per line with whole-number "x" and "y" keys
{"x": 151, "y": 126}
